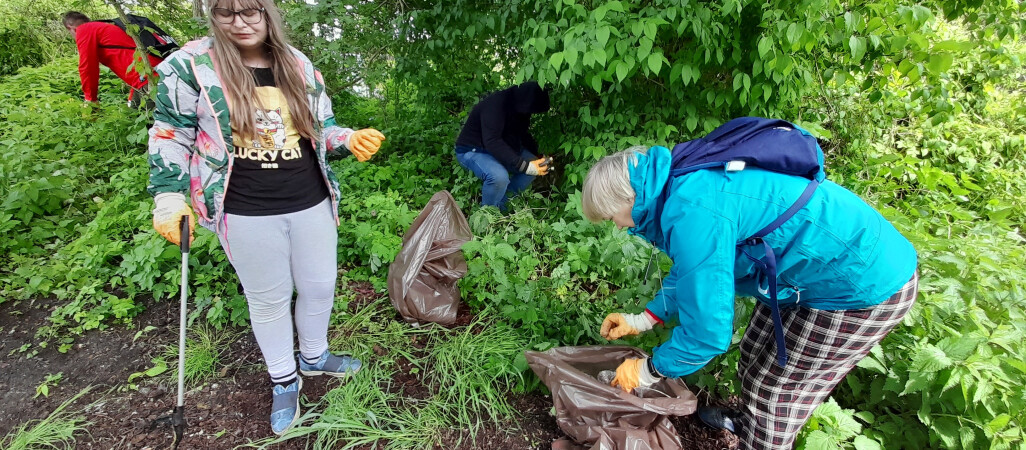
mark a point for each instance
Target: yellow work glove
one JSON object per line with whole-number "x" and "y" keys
{"x": 539, "y": 167}
{"x": 169, "y": 207}
{"x": 632, "y": 374}
{"x": 618, "y": 325}
{"x": 365, "y": 143}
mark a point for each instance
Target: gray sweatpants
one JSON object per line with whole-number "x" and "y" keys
{"x": 274, "y": 255}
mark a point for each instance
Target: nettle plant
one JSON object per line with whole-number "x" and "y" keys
{"x": 552, "y": 273}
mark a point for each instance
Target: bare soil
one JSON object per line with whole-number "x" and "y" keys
{"x": 230, "y": 410}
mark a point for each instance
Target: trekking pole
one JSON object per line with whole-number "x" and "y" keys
{"x": 178, "y": 417}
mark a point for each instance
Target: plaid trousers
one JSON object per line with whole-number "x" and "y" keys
{"x": 822, "y": 347}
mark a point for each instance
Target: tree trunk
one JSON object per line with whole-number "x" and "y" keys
{"x": 198, "y": 8}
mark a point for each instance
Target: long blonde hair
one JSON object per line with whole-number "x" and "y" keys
{"x": 237, "y": 81}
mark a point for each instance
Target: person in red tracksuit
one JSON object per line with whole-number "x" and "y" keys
{"x": 107, "y": 44}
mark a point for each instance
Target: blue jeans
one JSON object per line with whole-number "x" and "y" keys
{"x": 499, "y": 184}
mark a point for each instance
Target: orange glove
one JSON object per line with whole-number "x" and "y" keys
{"x": 632, "y": 374}
{"x": 618, "y": 325}
{"x": 539, "y": 167}
{"x": 365, "y": 143}
{"x": 169, "y": 207}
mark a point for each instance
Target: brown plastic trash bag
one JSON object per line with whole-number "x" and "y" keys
{"x": 422, "y": 279}
{"x": 603, "y": 417}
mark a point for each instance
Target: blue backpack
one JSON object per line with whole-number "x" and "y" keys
{"x": 768, "y": 144}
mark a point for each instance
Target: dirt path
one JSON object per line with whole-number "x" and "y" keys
{"x": 226, "y": 412}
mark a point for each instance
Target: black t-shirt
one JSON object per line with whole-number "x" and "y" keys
{"x": 276, "y": 171}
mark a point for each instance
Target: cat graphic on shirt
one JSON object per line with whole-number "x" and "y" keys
{"x": 270, "y": 129}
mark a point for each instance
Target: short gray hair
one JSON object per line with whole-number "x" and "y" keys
{"x": 607, "y": 188}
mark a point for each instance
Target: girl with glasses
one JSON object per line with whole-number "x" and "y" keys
{"x": 241, "y": 131}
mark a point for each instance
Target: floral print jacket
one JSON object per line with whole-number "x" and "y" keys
{"x": 191, "y": 137}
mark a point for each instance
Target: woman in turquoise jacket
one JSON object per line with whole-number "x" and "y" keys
{"x": 845, "y": 278}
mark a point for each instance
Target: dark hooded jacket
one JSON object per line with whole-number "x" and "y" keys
{"x": 499, "y": 123}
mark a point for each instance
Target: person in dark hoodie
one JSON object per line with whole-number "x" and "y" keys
{"x": 496, "y": 144}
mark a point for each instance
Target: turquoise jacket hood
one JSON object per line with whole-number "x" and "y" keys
{"x": 647, "y": 179}
{"x": 836, "y": 253}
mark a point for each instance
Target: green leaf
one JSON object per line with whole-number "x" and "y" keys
{"x": 159, "y": 368}
{"x": 967, "y": 437}
{"x": 818, "y": 440}
{"x": 692, "y": 123}
{"x": 905, "y": 66}
{"x": 556, "y": 60}
{"x": 650, "y": 29}
{"x": 541, "y": 44}
{"x": 919, "y": 40}
{"x": 940, "y": 63}
{"x": 505, "y": 251}
{"x": 621, "y": 70}
{"x": 983, "y": 388}
{"x": 828, "y": 408}
{"x": 948, "y": 430}
{"x": 655, "y": 62}
{"x": 644, "y": 48}
{"x": 600, "y": 56}
{"x": 667, "y": 130}
{"x": 929, "y": 359}
{"x": 918, "y": 381}
{"x": 961, "y": 347}
{"x": 689, "y": 74}
{"x": 570, "y": 55}
{"x": 765, "y": 45}
{"x": 865, "y": 443}
{"x": 603, "y": 35}
{"x": 875, "y": 41}
{"x": 637, "y": 28}
{"x": 858, "y": 47}
{"x": 792, "y": 33}
{"x": 671, "y": 12}
{"x": 999, "y": 423}
{"x": 866, "y": 417}
{"x": 953, "y": 46}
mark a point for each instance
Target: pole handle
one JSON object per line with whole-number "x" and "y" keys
{"x": 185, "y": 234}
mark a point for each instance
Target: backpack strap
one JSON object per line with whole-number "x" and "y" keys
{"x": 674, "y": 173}
{"x": 123, "y": 47}
{"x": 769, "y": 265}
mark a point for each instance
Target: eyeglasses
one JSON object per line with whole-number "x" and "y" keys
{"x": 249, "y": 15}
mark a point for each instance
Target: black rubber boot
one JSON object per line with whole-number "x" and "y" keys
{"x": 720, "y": 418}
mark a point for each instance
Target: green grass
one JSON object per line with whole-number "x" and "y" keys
{"x": 363, "y": 411}
{"x": 467, "y": 370}
{"x": 472, "y": 370}
{"x": 57, "y": 430}
{"x": 203, "y": 352}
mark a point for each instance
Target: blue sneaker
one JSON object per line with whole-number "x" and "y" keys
{"x": 339, "y": 366}
{"x": 285, "y": 406}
